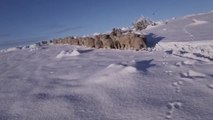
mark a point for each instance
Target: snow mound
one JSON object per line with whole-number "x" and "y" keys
{"x": 74, "y": 53}
{"x": 189, "y": 62}
{"x": 68, "y": 53}
{"x": 114, "y": 76}
{"x": 10, "y": 49}
{"x": 193, "y": 74}
{"x": 129, "y": 69}
{"x": 123, "y": 68}
{"x": 114, "y": 66}
{"x": 198, "y": 22}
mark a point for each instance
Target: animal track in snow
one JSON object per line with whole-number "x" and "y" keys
{"x": 194, "y": 23}
{"x": 177, "y": 86}
{"x": 172, "y": 106}
{"x": 187, "y": 32}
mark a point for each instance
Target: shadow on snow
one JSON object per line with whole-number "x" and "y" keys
{"x": 144, "y": 65}
{"x": 153, "y": 39}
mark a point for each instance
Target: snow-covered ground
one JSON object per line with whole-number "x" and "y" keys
{"x": 171, "y": 81}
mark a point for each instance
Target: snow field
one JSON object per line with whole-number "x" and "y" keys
{"x": 173, "y": 80}
{"x": 101, "y": 84}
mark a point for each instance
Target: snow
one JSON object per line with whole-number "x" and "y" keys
{"x": 198, "y": 22}
{"x": 200, "y": 50}
{"x": 172, "y": 106}
{"x": 11, "y": 49}
{"x": 33, "y": 46}
{"x": 210, "y": 86}
{"x": 173, "y": 80}
{"x": 192, "y": 73}
{"x": 68, "y": 53}
{"x": 125, "y": 28}
{"x": 194, "y": 28}
{"x": 96, "y": 34}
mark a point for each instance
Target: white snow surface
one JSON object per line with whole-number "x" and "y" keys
{"x": 192, "y": 28}
{"x": 173, "y": 80}
{"x": 68, "y": 53}
{"x": 198, "y": 22}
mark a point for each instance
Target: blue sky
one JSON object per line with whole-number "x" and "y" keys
{"x": 24, "y": 21}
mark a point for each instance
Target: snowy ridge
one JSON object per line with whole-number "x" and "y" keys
{"x": 187, "y": 37}
{"x": 194, "y": 28}
{"x": 192, "y": 15}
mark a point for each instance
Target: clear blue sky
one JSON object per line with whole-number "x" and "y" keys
{"x": 36, "y": 20}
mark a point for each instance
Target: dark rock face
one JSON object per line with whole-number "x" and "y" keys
{"x": 117, "y": 39}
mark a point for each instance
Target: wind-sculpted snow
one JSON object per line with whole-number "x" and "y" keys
{"x": 103, "y": 84}
{"x": 172, "y": 80}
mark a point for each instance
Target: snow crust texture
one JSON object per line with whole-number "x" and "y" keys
{"x": 172, "y": 80}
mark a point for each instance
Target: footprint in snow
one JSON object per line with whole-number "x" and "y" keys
{"x": 177, "y": 86}
{"x": 172, "y": 106}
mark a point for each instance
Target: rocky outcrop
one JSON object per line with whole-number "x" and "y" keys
{"x": 117, "y": 39}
